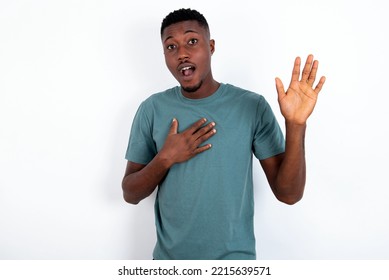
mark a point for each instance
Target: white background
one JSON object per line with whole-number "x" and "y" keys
{"x": 73, "y": 73}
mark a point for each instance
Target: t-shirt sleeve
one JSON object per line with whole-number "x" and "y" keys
{"x": 268, "y": 137}
{"x": 141, "y": 147}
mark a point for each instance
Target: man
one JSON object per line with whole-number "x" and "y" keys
{"x": 196, "y": 141}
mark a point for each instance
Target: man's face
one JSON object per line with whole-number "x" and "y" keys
{"x": 188, "y": 50}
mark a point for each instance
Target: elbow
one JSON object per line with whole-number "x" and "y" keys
{"x": 290, "y": 195}
{"x": 129, "y": 195}
{"x": 290, "y": 199}
{"x": 130, "y": 199}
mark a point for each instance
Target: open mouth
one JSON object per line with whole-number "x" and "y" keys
{"x": 187, "y": 71}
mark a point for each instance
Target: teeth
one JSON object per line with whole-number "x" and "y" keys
{"x": 186, "y": 68}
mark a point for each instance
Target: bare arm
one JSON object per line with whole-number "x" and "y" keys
{"x": 141, "y": 180}
{"x": 286, "y": 172}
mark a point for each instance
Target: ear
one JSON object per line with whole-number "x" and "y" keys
{"x": 212, "y": 45}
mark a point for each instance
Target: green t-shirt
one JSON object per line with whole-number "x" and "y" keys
{"x": 204, "y": 208}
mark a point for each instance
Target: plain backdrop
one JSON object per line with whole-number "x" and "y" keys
{"x": 73, "y": 73}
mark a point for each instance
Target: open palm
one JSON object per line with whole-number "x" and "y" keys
{"x": 298, "y": 102}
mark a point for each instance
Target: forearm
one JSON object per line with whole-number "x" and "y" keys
{"x": 141, "y": 180}
{"x": 290, "y": 180}
{"x": 140, "y": 184}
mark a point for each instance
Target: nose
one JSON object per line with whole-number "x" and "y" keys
{"x": 182, "y": 54}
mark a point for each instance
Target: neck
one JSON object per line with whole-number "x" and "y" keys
{"x": 204, "y": 90}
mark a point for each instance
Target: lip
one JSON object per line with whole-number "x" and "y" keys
{"x": 185, "y": 65}
{"x": 186, "y": 76}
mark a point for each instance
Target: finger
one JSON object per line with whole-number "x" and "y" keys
{"x": 296, "y": 69}
{"x": 204, "y": 130}
{"x": 307, "y": 68}
{"x": 202, "y": 148}
{"x": 173, "y": 127}
{"x": 196, "y": 126}
{"x": 280, "y": 88}
{"x": 205, "y": 137}
{"x": 320, "y": 85}
{"x": 312, "y": 75}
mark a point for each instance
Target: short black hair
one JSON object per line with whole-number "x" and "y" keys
{"x": 184, "y": 15}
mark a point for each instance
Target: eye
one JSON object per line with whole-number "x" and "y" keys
{"x": 170, "y": 47}
{"x": 193, "y": 41}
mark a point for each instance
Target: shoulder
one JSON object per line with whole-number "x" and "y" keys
{"x": 160, "y": 96}
{"x": 149, "y": 106}
{"x": 245, "y": 96}
{"x": 243, "y": 93}
{"x": 158, "y": 99}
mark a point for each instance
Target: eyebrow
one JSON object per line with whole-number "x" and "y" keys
{"x": 187, "y": 31}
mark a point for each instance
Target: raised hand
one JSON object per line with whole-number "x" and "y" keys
{"x": 180, "y": 147}
{"x": 298, "y": 102}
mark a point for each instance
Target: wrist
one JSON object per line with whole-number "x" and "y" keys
{"x": 295, "y": 124}
{"x": 295, "y": 131}
{"x": 164, "y": 161}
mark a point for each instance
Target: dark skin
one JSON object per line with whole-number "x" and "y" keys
{"x": 188, "y": 50}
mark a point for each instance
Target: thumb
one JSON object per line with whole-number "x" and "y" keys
{"x": 280, "y": 88}
{"x": 173, "y": 126}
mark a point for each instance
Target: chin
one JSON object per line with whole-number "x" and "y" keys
{"x": 192, "y": 88}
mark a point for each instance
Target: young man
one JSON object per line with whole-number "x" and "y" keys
{"x": 196, "y": 141}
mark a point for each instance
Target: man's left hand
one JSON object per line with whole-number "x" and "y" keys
{"x": 298, "y": 102}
